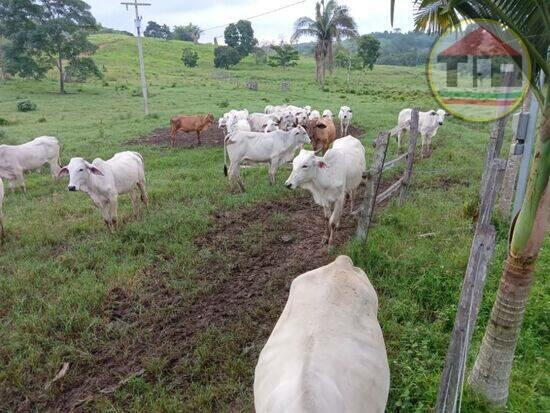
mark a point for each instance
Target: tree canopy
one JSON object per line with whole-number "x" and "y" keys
{"x": 42, "y": 34}
{"x": 226, "y": 56}
{"x": 154, "y": 29}
{"x": 240, "y": 36}
{"x": 285, "y": 56}
{"x": 189, "y": 33}
{"x": 368, "y": 49}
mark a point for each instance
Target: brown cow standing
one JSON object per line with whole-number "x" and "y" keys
{"x": 322, "y": 133}
{"x": 190, "y": 123}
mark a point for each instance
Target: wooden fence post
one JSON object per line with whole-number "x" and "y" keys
{"x": 373, "y": 182}
{"x": 493, "y": 150}
{"x": 410, "y": 156}
{"x": 452, "y": 377}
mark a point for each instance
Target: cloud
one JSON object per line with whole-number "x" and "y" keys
{"x": 370, "y": 15}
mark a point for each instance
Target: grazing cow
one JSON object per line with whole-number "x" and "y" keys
{"x": 345, "y": 116}
{"x": 322, "y": 133}
{"x": 1, "y": 212}
{"x": 276, "y": 148}
{"x": 288, "y": 121}
{"x": 190, "y": 123}
{"x": 326, "y": 353}
{"x": 300, "y": 117}
{"x": 236, "y": 124}
{"x": 16, "y": 159}
{"x": 428, "y": 124}
{"x": 327, "y": 114}
{"x": 103, "y": 181}
{"x": 330, "y": 177}
{"x": 258, "y": 121}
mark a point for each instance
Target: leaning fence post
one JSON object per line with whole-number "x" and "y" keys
{"x": 410, "y": 156}
{"x": 373, "y": 181}
{"x": 452, "y": 378}
{"x": 493, "y": 150}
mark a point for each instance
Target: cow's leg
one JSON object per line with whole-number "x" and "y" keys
{"x": 173, "y": 133}
{"x": 334, "y": 220}
{"x": 1, "y": 229}
{"x": 423, "y": 150}
{"x": 113, "y": 211}
{"x": 400, "y": 136}
{"x": 235, "y": 177}
{"x": 105, "y": 213}
{"x": 351, "y": 200}
{"x": 143, "y": 191}
{"x": 273, "y": 166}
{"x": 54, "y": 167}
{"x": 327, "y": 211}
{"x": 199, "y": 137}
{"x": 20, "y": 181}
{"x": 135, "y": 203}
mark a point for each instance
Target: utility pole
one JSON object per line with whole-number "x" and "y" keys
{"x": 140, "y": 51}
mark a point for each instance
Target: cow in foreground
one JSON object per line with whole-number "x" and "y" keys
{"x": 322, "y": 133}
{"x": 104, "y": 181}
{"x": 16, "y": 159}
{"x": 428, "y": 124}
{"x": 190, "y": 123}
{"x": 345, "y": 116}
{"x": 330, "y": 177}
{"x": 326, "y": 353}
{"x": 275, "y": 148}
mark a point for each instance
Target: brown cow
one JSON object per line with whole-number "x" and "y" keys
{"x": 322, "y": 133}
{"x": 190, "y": 123}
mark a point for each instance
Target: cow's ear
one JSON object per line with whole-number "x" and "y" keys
{"x": 433, "y": 113}
{"x": 63, "y": 172}
{"x": 322, "y": 164}
{"x": 321, "y": 126}
{"x": 95, "y": 171}
{"x": 264, "y": 126}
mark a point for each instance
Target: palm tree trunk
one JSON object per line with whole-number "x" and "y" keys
{"x": 330, "y": 57}
{"x": 61, "y": 75}
{"x": 491, "y": 373}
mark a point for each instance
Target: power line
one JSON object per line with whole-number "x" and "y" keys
{"x": 256, "y": 16}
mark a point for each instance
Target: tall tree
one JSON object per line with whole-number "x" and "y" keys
{"x": 225, "y": 56}
{"x": 240, "y": 36}
{"x": 154, "y": 29}
{"x": 189, "y": 33}
{"x": 42, "y": 34}
{"x": 530, "y": 20}
{"x": 368, "y": 49}
{"x": 331, "y": 22}
{"x": 285, "y": 56}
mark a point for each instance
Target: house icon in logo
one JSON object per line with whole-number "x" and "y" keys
{"x": 481, "y": 44}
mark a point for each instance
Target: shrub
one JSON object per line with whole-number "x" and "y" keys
{"x": 42, "y": 120}
{"x": 190, "y": 57}
{"x": 225, "y": 56}
{"x": 4, "y": 122}
{"x": 224, "y": 104}
{"x": 25, "y": 105}
{"x": 3, "y": 133}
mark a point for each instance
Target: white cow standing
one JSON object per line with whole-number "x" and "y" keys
{"x": 345, "y": 116}
{"x": 16, "y": 159}
{"x": 103, "y": 181}
{"x": 428, "y": 124}
{"x": 326, "y": 353}
{"x": 276, "y": 148}
{"x": 327, "y": 114}
{"x": 330, "y": 177}
{"x": 259, "y": 121}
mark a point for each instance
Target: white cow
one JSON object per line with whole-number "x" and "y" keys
{"x": 345, "y": 116}
{"x": 330, "y": 177}
{"x": 258, "y": 121}
{"x": 235, "y": 124}
{"x": 314, "y": 115}
{"x": 428, "y": 124}
{"x": 233, "y": 113}
{"x": 276, "y": 148}
{"x": 103, "y": 181}
{"x": 1, "y": 212}
{"x": 327, "y": 113}
{"x": 16, "y": 159}
{"x": 307, "y": 108}
{"x": 271, "y": 126}
{"x": 326, "y": 353}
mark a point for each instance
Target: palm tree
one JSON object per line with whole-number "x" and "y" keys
{"x": 332, "y": 21}
{"x": 530, "y": 20}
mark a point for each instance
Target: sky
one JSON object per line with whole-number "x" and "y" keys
{"x": 370, "y": 15}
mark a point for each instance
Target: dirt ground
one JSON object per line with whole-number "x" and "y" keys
{"x": 255, "y": 254}
{"x": 213, "y": 136}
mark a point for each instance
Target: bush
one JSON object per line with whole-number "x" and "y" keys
{"x": 225, "y": 56}
{"x": 4, "y": 122}
{"x": 224, "y": 104}
{"x": 25, "y": 105}
{"x": 190, "y": 57}
{"x": 42, "y": 120}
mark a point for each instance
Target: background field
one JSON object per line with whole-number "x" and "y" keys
{"x": 63, "y": 278}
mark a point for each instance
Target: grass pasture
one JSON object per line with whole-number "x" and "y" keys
{"x": 170, "y": 313}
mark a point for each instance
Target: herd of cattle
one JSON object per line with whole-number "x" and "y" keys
{"x": 326, "y": 352}
{"x": 332, "y": 171}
